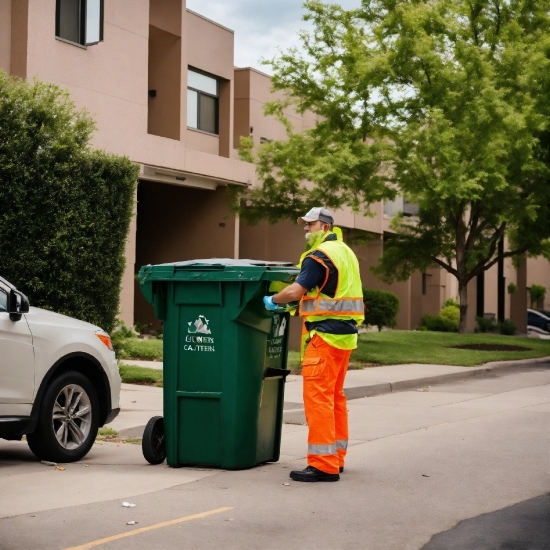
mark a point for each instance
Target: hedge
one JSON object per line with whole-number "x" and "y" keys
{"x": 382, "y": 307}
{"x": 65, "y": 209}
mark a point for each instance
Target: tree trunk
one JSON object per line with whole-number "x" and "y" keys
{"x": 463, "y": 297}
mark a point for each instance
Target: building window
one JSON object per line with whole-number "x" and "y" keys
{"x": 79, "y": 21}
{"x": 202, "y": 102}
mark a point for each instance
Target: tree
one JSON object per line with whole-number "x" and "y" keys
{"x": 445, "y": 102}
{"x": 65, "y": 209}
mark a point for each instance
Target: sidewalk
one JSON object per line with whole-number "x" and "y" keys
{"x": 140, "y": 403}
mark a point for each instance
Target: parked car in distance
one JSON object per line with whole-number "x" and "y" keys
{"x": 59, "y": 379}
{"x": 538, "y": 322}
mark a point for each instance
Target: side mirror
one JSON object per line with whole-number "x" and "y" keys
{"x": 18, "y": 304}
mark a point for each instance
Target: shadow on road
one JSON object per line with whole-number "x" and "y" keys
{"x": 524, "y": 526}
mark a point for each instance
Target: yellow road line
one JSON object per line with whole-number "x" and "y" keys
{"x": 150, "y": 528}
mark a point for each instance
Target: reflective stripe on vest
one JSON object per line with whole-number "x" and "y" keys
{"x": 325, "y": 449}
{"x": 342, "y": 444}
{"x": 348, "y": 299}
{"x": 335, "y": 306}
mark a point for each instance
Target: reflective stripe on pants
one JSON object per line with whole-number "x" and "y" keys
{"x": 342, "y": 444}
{"x": 324, "y": 370}
{"x": 321, "y": 449}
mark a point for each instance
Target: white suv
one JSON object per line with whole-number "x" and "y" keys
{"x": 59, "y": 379}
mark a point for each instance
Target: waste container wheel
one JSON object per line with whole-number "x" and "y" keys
{"x": 152, "y": 443}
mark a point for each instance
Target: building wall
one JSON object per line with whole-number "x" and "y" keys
{"x": 203, "y": 38}
{"x": 252, "y": 92}
{"x": 142, "y": 50}
{"x": 19, "y": 43}
{"x": 164, "y": 82}
{"x": 241, "y": 125}
{"x": 284, "y": 242}
{"x": 519, "y": 301}
{"x": 5, "y": 35}
{"x": 149, "y": 44}
{"x": 368, "y": 254}
{"x": 177, "y": 223}
{"x": 111, "y": 79}
{"x": 127, "y": 293}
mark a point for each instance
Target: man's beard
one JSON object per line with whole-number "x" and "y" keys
{"x": 313, "y": 236}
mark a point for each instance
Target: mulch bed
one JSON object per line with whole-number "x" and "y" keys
{"x": 492, "y": 347}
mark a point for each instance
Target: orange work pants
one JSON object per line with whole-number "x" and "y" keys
{"x": 324, "y": 369}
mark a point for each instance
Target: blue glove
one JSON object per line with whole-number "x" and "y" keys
{"x": 270, "y": 305}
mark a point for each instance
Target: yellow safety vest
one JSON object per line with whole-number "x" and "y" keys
{"x": 347, "y": 303}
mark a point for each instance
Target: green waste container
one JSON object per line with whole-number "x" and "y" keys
{"x": 225, "y": 360}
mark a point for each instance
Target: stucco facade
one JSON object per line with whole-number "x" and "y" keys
{"x": 134, "y": 83}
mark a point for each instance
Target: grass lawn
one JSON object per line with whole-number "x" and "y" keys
{"x": 109, "y": 435}
{"x": 375, "y": 348}
{"x": 293, "y": 360}
{"x": 140, "y": 375}
{"x": 149, "y": 349}
{"x": 400, "y": 347}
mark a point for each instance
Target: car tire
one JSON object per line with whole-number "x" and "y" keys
{"x": 68, "y": 419}
{"x": 152, "y": 444}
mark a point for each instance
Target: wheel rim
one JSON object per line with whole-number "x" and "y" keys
{"x": 72, "y": 417}
{"x": 157, "y": 439}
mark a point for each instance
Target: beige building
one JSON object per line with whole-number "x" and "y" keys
{"x": 161, "y": 84}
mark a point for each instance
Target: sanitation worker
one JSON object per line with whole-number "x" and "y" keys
{"x": 331, "y": 304}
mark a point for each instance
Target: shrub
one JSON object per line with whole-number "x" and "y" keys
{"x": 119, "y": 337}
{"x": 486, "y": 324}
{"x": 507, "y": 327}
{"x": 142, "y": 328}
{"x": 451, "y": 313}
{"x": 537, "y": 292}
{"x": 451, "y": 302}
{"x": 438, "y": 324}
{"x": 381, "y": 308}
{"x": 65, "y": 209}
{"x": 446, "y": 321}
{"x": 512, "y": 288}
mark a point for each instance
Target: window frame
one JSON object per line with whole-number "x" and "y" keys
{"x": 6, "y": 294}
{"x": 201, "y": 93}
{"x": 83, "y": 14}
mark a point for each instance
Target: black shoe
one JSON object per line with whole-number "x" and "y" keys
{"x": 341, "y": 469}
{"x": 313, "y": 474}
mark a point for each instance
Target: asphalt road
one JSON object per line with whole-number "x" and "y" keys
{"x": 464, "y": 466}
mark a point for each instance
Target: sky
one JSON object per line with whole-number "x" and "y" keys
{"x": 261, "y": 26}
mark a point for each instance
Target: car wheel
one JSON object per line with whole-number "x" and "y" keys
{"x": 68, "y": 419}
{"x": 152, "y": 443}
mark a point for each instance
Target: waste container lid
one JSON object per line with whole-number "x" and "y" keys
{"x": 222, "y": 262}
{"x": 221, "y": 269}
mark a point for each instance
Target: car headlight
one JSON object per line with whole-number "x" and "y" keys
{"x": 105, "y": 338}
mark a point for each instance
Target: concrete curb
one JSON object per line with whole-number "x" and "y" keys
{"x": 136, "y": 431}
{"x": 296, "y": 416}
{"x": 403, "y": 385}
